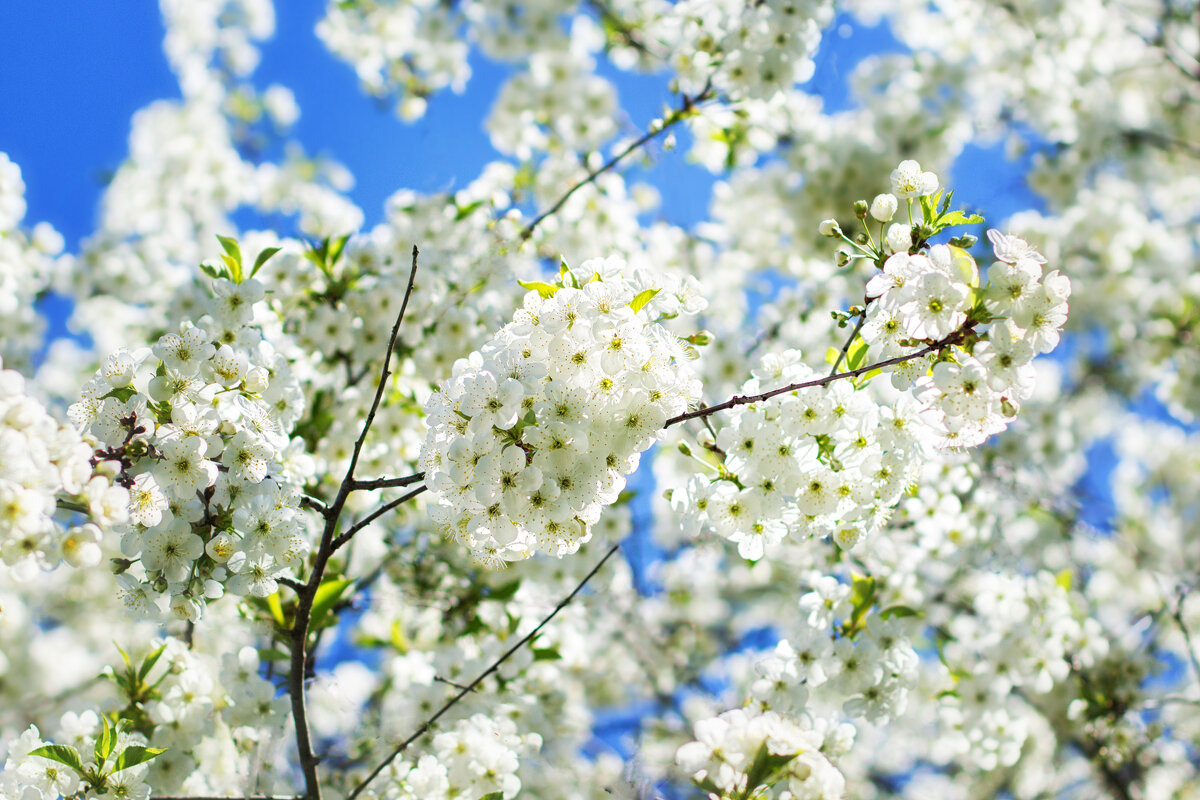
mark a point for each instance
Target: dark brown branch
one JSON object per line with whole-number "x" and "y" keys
{"x": 313, "y": 503}
{"x": 495, "y": 665}
{"x": 300, "y": 663}
{"x": 741, "y": 400}
{"x": 686, "y": 107}
{"x": 348, "y": 534}
{"x": 387, "y": 483}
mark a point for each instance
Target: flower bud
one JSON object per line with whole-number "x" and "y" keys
{"x": 860, "y": 209}
{"x": 830, "y": 228}
{"x": 883, "y": 207}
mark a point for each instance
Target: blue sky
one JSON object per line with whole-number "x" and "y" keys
{"x": 76, "y": 70}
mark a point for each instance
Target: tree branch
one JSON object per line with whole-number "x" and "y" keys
{"x": 686, "y": 107}
{"x": 495, "y": 665}
{"x": 348, "y": 534}
{"x": 387, "y": 483}
{"x": 741, "y": 400}
{"x": 308, "y": 593}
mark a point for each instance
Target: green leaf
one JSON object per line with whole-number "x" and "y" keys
{"x": 493, "y": 796}
{"x": 899, "y": 611}
{"x": 149, "y": 661}
{"x": 928, "y": 213}
{"x": 642, "y": 297}
{"x": 213, "y": 272}
{"x": 232, "y": 257}
{"x": 123, "y": 393}
{"x": 273, "y": 654}
{"x": 866, "y": 376}
{"x": 862, "y": 597}
{"x": 856, "y": 356}
{"x": 505, "y": 591}
{"x": 959, "y": 218}
{"x": 124, "y": 655}
{"x": 766, "y": 769}
{"x": 546, "y": 654}
{"x": 105, "y": 743}
{"x": 546, "y": 290}
{"x": 263, "y": 258}
{"x": 136, "y": 754}
{"x": 275, "y": 606}
{"x": 328, "y": 593}
{"x": 462, "y": 212}
{"x": 336, "y": 246}
{"x": 63, "y": 754}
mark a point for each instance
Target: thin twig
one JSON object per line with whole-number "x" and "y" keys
{"x": 313, "y": 503}
{"x": 741, "y": 400}
{"x": 448, "y": 682}
{"x": 308, "y": 594}
{"x": 862, "y": 318}
{"x": 387, "y": 483}
{"x": 348, "y": 534}
{"x": 291, "y": 583}
{"x": 495, "y": 665}
{"x": 687, "y": 105}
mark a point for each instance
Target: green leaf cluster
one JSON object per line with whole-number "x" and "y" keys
{"x": 95, "y": 775}
{"x": 231, "y": 268}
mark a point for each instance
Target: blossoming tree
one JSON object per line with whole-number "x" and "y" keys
{"x": 340, "y": 512}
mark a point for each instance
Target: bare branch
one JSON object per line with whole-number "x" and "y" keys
{"x": 348, "y": 534}
{"x": 299, "y": 663}
{"x": 348, "y": 481}
{"x": 387, "y": 483}
{"x": 686, "y": 107}
{"x": 741, "y": 400}
{"x": 495, "y": 665}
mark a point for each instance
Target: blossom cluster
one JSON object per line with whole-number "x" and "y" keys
{"x": 27, "y": 259}
{"x": 924, "y": 298}
{"x": 746, "y": 51}
{"x": 740, "y": 751}
{"x": 199, "y": 426}
{"x": 816, "y": 461}
{"x": 842, "y": 653}
{"x": 1023, "y": 637}
{"x": 44, "y": 463}
{"x": 534, "y": 433}
{"x": 27, "y": 774}
{"x": 476, "y": 757}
